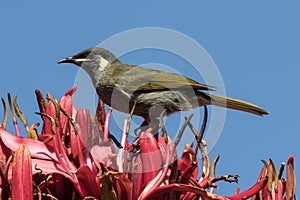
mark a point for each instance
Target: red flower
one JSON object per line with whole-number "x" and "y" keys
{"x": 74, "y": 157}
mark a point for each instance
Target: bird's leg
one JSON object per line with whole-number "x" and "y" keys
{"x": 143, "y": 127}
{"x": 148, "y": 124}
{"x": 129, "y": 119}
{"x": 162, "y": 126}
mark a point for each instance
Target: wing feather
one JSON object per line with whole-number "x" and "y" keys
{"x": 140, "y": 79}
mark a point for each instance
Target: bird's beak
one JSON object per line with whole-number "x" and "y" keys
{"x": 73, "y": 60}
{"x": 67, "y": 60}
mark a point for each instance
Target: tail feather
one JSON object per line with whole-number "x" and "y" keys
{"x": 236, "y": 104}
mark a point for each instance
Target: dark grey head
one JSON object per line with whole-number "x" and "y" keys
{"x": 92, "y": 60}
{"x": 91, "y": 55}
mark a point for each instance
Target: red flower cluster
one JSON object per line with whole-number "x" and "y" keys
{"x": 74, "y": 157}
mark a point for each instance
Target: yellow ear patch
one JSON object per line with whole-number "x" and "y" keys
{"x": 103, "y": 63}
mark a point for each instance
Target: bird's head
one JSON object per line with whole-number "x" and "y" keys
{"x": 97, "y": 58}
{"x": 92, "y": 60}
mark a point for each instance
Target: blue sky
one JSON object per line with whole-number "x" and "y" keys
{"x": 255, "y": 46}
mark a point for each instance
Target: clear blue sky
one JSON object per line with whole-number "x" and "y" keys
{"x": 255, "y": 45}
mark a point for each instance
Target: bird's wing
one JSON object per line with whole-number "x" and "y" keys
{"x": 140, "y": 79}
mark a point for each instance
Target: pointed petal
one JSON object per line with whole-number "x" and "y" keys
{"x": 50, "y": 110}
{"x": 151, "y": 156}
{"x": 22, "y": 174}
{"x": 87, "y": 181}
{"x": 71, "y": 91}
{"x": 124, "y": 186}
{"x": 167, "y": 148}
{"x": 103, "y": 153}
{"x": 135, "y": 168}
{"x": 85, "y": 122}
{"x": 290, "y": 178}
{"x": 37, "y": 149}
{"x": 100, "y": 114}
{"x": 179, "y": 188}
{"x": 65, "y": 103}
{"x": 251, "y": 191}
{"x": 186, "y": 161}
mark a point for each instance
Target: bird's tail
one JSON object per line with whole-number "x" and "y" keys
{"x": 236, "y": 104}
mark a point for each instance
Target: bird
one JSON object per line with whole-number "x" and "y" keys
{"x": 148, "y": 92}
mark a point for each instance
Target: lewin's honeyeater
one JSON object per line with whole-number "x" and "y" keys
{"x": 151, "y": 91}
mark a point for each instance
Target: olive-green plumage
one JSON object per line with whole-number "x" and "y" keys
{"x": 152, "y": 91}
